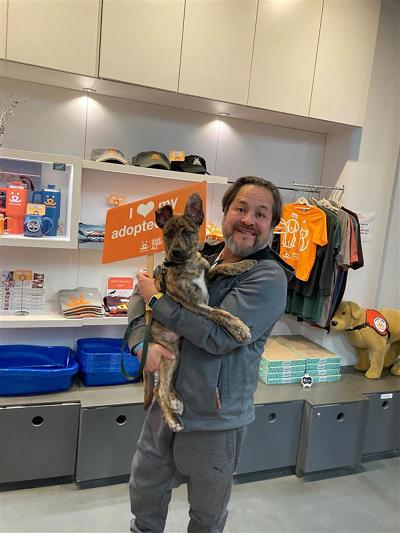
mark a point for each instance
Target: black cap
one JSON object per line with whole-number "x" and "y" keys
{"x": 195, "y": 164}
{"x": 151, "y": 160}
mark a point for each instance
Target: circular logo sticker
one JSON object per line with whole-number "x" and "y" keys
{"x": 380, "y": 324}
{"x": 33, "y": 226}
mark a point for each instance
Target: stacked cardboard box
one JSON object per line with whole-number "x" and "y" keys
{"x": 287, "y": 358}
{"x": 279, "y": 364}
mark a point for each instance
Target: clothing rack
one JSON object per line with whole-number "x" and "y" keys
{"x": 311, "y": 186}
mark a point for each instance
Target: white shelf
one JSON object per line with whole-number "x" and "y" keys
{"x": 36, "y": 242}
{"x": 57, "y": 321}
{"x": 87, "y": 164}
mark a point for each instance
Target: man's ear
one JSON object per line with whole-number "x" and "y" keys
{"x": 163, "y": 214}
{"x": 194, "y": 209}
{"x": 355, "y": 310}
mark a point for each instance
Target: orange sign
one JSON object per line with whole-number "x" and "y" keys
{"x": 131, "y": 229}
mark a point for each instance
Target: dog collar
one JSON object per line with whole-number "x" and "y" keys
{"x": 171, "y": 263}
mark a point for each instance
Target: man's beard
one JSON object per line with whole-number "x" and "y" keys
{"x": 242, "y": 251}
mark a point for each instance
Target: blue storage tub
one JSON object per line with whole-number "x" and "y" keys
{"x": 26, "y": 369}
{"x": 99, "y": 361}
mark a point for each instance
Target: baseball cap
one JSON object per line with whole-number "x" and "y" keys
{"x": 195, "y": 164}
{"x": 151, "y": 160}
{"x": 108, "y": 155}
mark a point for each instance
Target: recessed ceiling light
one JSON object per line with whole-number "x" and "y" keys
{"x": 224, "y": 114}
{"x": 88, "y": 90}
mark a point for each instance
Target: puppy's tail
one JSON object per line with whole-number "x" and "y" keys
{"x": 148, "y": 381}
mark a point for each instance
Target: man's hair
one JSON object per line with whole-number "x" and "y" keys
{"x": 231, "y": 193}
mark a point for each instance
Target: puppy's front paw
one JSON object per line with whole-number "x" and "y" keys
{"x": 242, "y": 332}
{"x": 176, "y": 403}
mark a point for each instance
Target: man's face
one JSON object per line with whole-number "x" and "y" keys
{"x": 247, "y": 224}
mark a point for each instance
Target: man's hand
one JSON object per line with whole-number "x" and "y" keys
{"x": 154, "y": 354}
{"x": 146, "y": 286}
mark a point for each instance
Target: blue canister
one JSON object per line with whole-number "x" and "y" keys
{"x": 51, "y": 198}
{"x": 37, "y": 226}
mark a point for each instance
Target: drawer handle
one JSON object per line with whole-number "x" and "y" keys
{"x": 340, "y": 417}
{"x": 272, "y": 418}
{"x": 37, "y": 421}
{"x": 121, "y": 420}
{"x": 385, "y": 404}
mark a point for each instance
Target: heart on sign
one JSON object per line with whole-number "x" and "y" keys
{"x": 145, "y": 209}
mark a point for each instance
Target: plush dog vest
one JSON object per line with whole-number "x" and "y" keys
{"x": 374, "y": 320}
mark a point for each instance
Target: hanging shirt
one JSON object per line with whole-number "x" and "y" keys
{"x": 302, "y": 228}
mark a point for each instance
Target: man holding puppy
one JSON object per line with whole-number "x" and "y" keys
{"x": 216, "y": 375}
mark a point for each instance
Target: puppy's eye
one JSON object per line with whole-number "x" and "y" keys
{"x": 186, "y": 233}
{"x": 343, "y": 313}
{"x": 169, "y": 235}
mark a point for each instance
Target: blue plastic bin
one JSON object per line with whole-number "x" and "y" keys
{"x": 26, "y": 369}
{"x": 99, "y": 361}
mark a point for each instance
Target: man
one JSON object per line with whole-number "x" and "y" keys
{"x": 216, "y": 375}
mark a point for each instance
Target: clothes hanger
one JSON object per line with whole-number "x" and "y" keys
{"x": 303, "y": 201}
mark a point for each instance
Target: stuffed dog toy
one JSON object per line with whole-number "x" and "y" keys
{"x": 375, "y": 335}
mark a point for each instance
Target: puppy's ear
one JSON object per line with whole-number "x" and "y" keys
{"x": 355, "y": 310}
{"x": 194, "y": 209}
{"x": 163, "y": 214}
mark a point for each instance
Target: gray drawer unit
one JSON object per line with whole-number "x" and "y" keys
{"x": 272, "y": 439}
{"x": 107, "y": 441}
{"x": 38, "y": 441}
{"x": 383, "y": 423}
{"x": 331, "y": 436}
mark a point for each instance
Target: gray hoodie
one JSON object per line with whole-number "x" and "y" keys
{"x": 216, "y": 375}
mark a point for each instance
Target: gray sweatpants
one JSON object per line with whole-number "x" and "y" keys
{"x": 204, "y": 460}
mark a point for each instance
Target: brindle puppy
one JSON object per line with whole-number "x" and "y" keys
{"x": 184, "y": 279}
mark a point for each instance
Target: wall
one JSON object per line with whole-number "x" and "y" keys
{"x": 389, "y": 283}
{"x": 62, "y": 121}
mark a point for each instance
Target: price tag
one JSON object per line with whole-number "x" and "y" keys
{"x": 177, "y": 155}
{"x": 35, "y": 209}
{"x": 59, "y": 166}
{"x": 116, "y": 199}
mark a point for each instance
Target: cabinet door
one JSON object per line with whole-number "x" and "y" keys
{"x": 344, "y": 60}
{"x": 61, "y": 35}
{"x": 3, "y": 28}
{"x": 141, "y": 42}
{"x": 272, "y": 439}
{"x": 107, "y": 441}
{"x": 217, "y": 47}
{"x": 285, "y": 50}
{"x": 38, "y": 441}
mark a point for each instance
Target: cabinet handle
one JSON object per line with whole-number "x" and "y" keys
{"x": 121, "y": 420}
{"x": 340, "y": 417}
{"x": 37, "y": 421}
{"x": 272, "y": 418}
{"x": 385, "y": 404}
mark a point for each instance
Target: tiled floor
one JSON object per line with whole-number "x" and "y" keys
{"x": 367, "y": 502}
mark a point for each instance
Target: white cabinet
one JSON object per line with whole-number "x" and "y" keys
{"x": 3, "y": 28}
{"x": 217, "y": 47}
{"x": 344, "y": 60}
{"x": 141, "y": 42}
{"x": 61, "y": 35}
{"x": 285, "y": 49}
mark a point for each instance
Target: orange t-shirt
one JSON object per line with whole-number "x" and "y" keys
{"x": 302, "y": 228}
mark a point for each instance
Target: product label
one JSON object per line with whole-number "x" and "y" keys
{"x": 387, "y": 396}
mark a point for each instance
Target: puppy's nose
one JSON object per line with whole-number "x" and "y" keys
{"x": 334, "y": 323}
{"x": 177, "y": 254}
